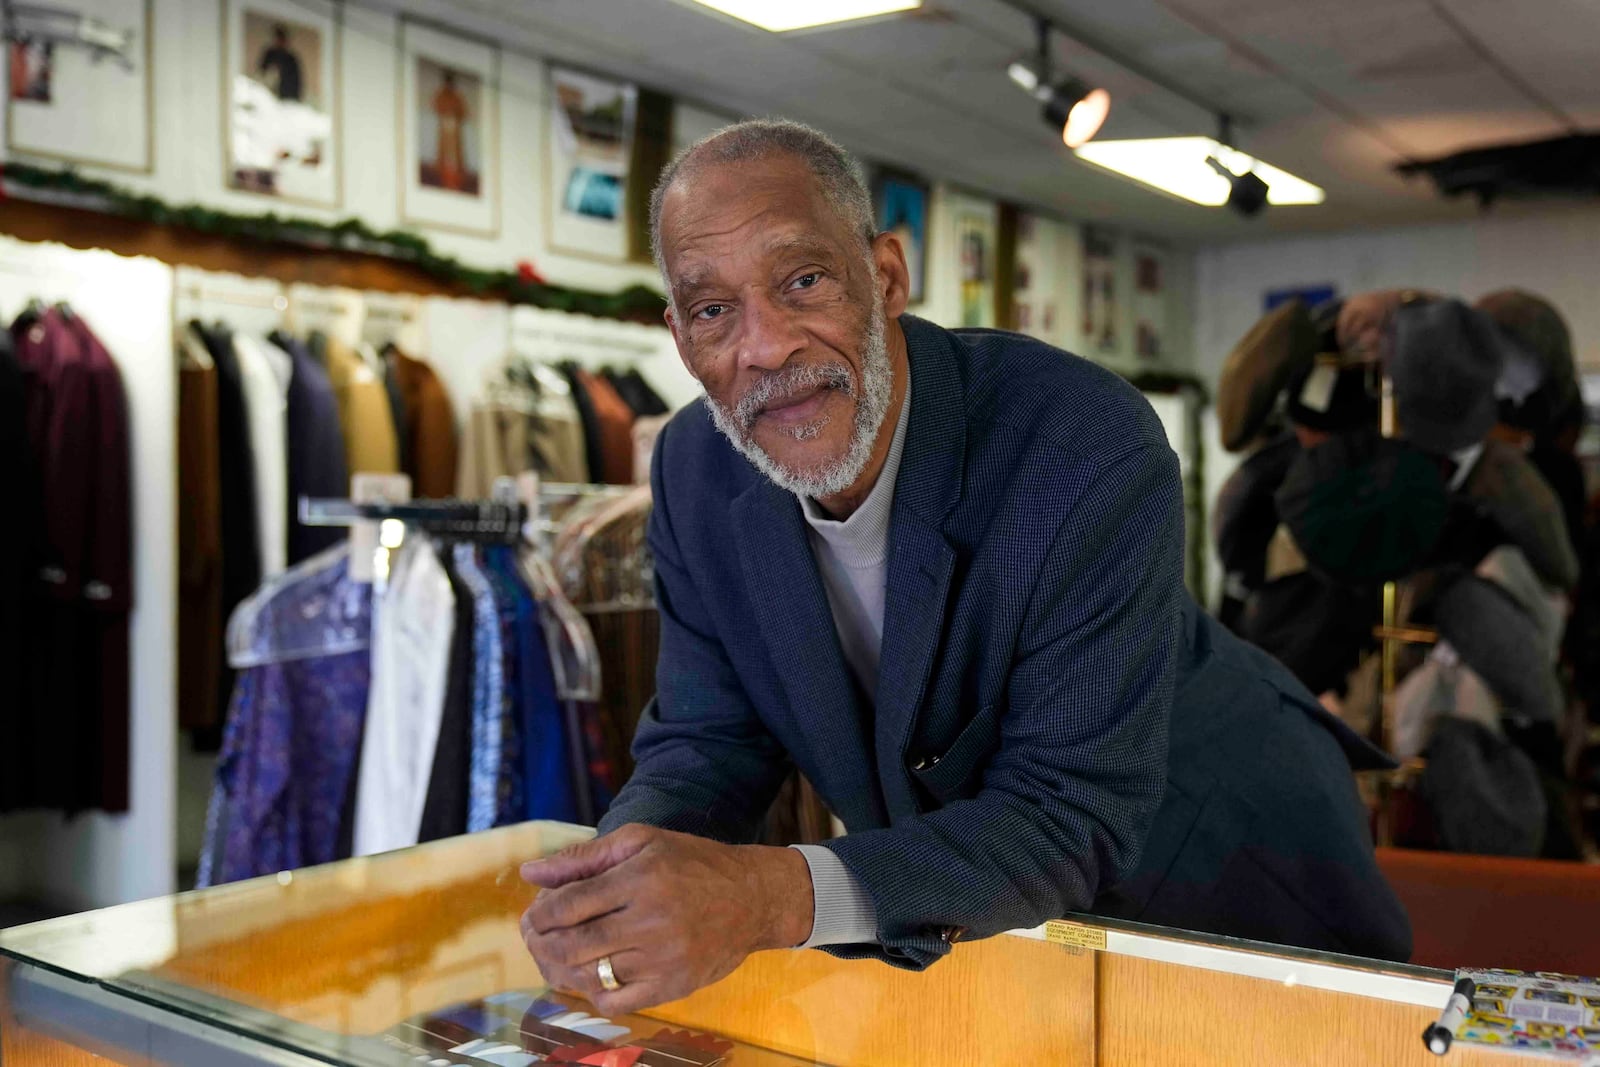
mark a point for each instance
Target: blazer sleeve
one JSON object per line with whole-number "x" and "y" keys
{"x": 704, "y": 763}
{"x": 1068, "y": 796}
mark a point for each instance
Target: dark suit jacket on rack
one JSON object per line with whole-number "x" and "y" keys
{"x": 1034, "y": 622}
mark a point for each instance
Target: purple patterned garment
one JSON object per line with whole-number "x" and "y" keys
{"x": 291, "y": 745}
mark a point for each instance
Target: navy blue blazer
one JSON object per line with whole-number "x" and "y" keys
{"x": 1017, "y": 752}
{"x": 1035, "y": 638}
{"x": 1261, "y": 833}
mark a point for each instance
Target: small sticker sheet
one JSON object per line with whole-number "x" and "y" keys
{"x": 1542, "y": 1014}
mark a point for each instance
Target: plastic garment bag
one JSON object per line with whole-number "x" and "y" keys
{"x": 334, "y": 618}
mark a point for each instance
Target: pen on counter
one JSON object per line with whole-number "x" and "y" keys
{"x": 1439, "y": 1035}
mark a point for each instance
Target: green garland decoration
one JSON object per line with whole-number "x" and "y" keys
{"x": 636, "y": 303}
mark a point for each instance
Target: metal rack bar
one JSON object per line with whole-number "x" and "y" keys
{"x": 478, "y": 520}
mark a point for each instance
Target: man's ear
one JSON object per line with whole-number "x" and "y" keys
{"x": 893, "y": 276}
{"x": 677, "y": 339}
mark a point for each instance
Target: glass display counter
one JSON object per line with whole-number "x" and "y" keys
{"x": 415, "y": 957}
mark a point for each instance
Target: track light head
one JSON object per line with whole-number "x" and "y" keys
{"x": 1077, "y": 111}
{"x": 1071, "y": 107}
{"x": 1247, "y": 193}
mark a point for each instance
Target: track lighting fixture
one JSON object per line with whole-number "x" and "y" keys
{"x": 1247, "y": 192}
{"x": 1070, "y": 106}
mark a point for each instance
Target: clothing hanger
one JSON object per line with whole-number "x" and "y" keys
{"x": 329, "y": 626}
{"x": 192, "y": 353}
{"x": 577, "y": 666}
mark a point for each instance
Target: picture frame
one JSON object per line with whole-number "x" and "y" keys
{"x": 588, "y": 148}
{"x": 977, "y": 230}
{"x": 1101, "y": 310}
{"x": 68, "y": 105}
{"x": 281, "y": 93}
{"x": 449, "y": 130}
{"x": 900, "y": 203}
{"x": 1150, "y": 268}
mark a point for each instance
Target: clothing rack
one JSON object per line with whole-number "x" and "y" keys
{"x": 494, "y": 521}
{"x": 196, "y": 291}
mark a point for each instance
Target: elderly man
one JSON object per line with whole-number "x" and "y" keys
{"x": 940, "y": 572}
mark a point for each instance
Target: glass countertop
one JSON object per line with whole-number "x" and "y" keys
{"x": 352, "y": 962}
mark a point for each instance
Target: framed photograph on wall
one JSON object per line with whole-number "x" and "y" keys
{"x": 82, "y": 105}
{"x": 1149, "y": 302}
{"x": 587, "y": 151}
{"x": 976, "y": 236}
{"x": 281, "y": 87}
{"x": 1100, "y": 309}
{"x": 901, "y": 202}
{"x": 449, "y": 131}
{"x": 1041, "y": 277}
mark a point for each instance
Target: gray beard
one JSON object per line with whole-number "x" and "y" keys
{"x": 872, "y": 404}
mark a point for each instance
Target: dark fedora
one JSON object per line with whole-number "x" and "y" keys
{"x": 1332, "y": 396}
{"x": 1446, "y": 361}
{"x": 1364, "y": 508}
{"x": 1502, "y": 642}
{"x": 1537, "y": 329}
{"x": 1258, "y": 368}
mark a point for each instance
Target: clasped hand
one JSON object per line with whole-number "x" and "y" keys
{"x": 672, "y": 911}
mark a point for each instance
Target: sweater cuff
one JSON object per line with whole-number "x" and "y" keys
{"x": 843, "y": 913}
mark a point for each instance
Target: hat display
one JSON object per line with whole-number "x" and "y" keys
{"x": 1446, "y": 361}
{"x": 1506, "y": 485}
{"x": 1257, "y": 370}
{"x": 1362, "y": 507}
{"x": 1537, "y": 329}
{"x": 1502, "y": 643}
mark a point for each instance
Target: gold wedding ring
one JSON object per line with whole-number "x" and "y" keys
{"x": 608, "y": 977}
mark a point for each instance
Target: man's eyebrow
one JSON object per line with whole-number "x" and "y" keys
{"x": 805, "y": 244}
{"x": 691, "y": 280}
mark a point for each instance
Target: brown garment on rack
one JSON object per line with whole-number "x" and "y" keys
{"x": 371, "y": 444}
{"x": 429, "y": 430}
{"x": 615, "y": 420}
{"x": 797, "y": 816}
{"x": 200, "y": 621}
{"x": 557, "y": 441}
{"x": 495, "y": 446}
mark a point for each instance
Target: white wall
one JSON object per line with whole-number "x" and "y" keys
{"x": 1556, "y": 256}
{"x": 97, "y": 859}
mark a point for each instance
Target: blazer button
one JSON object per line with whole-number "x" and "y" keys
{"x": 924, "y": 763}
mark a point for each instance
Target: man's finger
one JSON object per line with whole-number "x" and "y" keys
{"x": 586, "y": 859}
{"x": 633, "y": 996}
{"x": 584, "y": 978}
{"x": 579, "y": 902}
{"x": 573, "y": 946}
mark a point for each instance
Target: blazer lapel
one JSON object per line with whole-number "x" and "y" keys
{"x": 921, "y": 561}
{"x": 785, "y": 592}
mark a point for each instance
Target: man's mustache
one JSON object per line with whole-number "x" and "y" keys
{"x": 781, "y": 384}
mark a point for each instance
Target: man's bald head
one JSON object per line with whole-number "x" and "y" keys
{"x": 837, "y": 175}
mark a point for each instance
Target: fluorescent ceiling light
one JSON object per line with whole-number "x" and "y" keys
{"x": 1177, "y": 165}
{"x": 780, "y": 15}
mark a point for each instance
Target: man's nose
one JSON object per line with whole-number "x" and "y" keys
{"x": 770, "y": 336}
